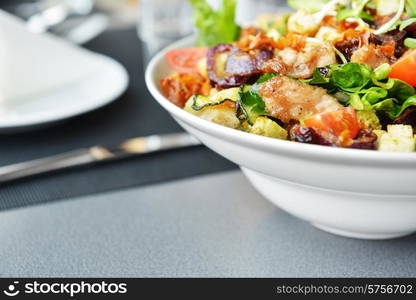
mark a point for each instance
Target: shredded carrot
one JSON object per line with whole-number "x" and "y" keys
{"x": 178, "y": 88}
{"x": 329, "y": 21}
{"x": 388, "y": 48}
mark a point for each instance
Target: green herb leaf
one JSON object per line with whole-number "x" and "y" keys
{"x": 411, "y": 101}
{"x": 388, "y": 107}
{"x": 350, "y": 77}
{"x": 400, "y": 90}
{"x": 198, "y": 104}
{"x": 251, "y": 103}
{"x": 355, "y": 11}
{"x": 265, "y": 77}
{"x": 365, "y": 89}
{"x": 345, "y": 13}
{"x": 215, "y": 27}
{"x": 318, "y": 77}
{"x": 366, "y": 16}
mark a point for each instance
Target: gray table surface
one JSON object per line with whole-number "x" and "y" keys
{"x": 215, "y": 225}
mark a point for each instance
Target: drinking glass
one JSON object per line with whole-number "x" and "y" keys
{"x": 162, "y": 22}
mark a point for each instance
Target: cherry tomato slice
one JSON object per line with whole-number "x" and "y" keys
{"x": 186, "y": 60}
{"x": 339, "y": 122}
{"x": 405, "y": 68}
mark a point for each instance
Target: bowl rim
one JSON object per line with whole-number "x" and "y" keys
{"x": 300, "y": 150}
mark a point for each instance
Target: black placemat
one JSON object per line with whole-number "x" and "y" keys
{"x": 135, "y": 113}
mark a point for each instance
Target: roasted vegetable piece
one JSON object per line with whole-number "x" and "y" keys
{"x": 341, "y": 122}
{"x": 301, "y": 63}
{"x": 309, "y": 135}
{"x": 217, "y": 107}
{"x": 236, "y": 67}
{"x": 266, "y": 127}
{"x": 215, "y": 26}
{"x": 366, "y": 139}
{"x": 370, "y": 55}
{"x": 398, "y": 138}
{"x": 288, "y": 99}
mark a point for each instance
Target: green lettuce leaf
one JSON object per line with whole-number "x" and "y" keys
{"x": 374, "y": 94}
{"x": 400, "y": 90}
{"x": 215, "y": 27}
{"x": 350, "y": 77}
{"x": 365, "y": 89}
{"x": 396, "y": 89}
{"x": 388, "y": 107}
{"x": 358, "y": 103}
{"x": 411, "y": 101}
{"x": 318, "y": 78}
{"x": 354, "y": 10}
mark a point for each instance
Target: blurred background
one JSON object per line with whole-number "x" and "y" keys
{"x": 130, "y": 32}
{"x": 159, "y": 22}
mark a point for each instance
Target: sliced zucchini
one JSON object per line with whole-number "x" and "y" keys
{"x": 231, "y": 94}
{"x": 211, "y": 109}
{"x": 198, "y": 102}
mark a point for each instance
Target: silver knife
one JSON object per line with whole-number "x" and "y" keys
{"x": 95, "y": 154}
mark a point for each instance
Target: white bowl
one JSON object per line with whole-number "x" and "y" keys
{"x": 355, "y": 193}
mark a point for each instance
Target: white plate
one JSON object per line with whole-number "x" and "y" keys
{"x": 106, "y": 85}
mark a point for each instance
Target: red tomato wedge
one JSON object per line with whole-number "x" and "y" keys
{"x": 339, "y": 122}
{"x": 405, "y": 68}
{"x": 186, "y": 60}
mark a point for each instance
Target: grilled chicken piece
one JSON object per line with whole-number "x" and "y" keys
{"x": 301, "y": 64}
{"x": 369, "y": 55}
{"x": 288, "y": 99}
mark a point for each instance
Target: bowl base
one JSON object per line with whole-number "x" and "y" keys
{"x": 355, "y": 215}
{"x": 362, "y": 235}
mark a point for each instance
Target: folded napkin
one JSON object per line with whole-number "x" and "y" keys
{"x": 34, "y": 64}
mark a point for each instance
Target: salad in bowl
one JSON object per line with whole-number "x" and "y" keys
{"x": 335, "y": 73}
{"x": 268, "y": 96}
